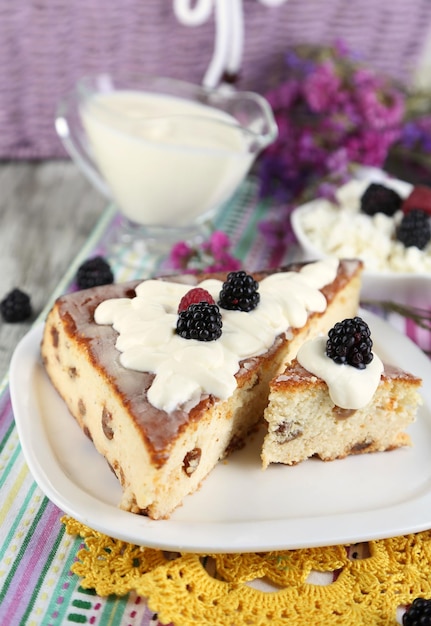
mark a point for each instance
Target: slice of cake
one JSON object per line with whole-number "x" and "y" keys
{"x": 336, "y": 399}
{"x": 168, "y": 376}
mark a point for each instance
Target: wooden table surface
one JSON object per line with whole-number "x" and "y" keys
{"x": 47, "y": 211}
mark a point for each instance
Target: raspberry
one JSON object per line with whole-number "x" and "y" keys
{"x": 200, "y": 321}
{"x": 418, "y": 614}
{"x": 380, "y": 199}
{"x": 194, "y": 296}
{"x": 420, "y": 198}
{"x": 16, "y": 306}
{"x": 349, "y": 342}
{"x": 414, "y": 229}
{"x": 94, "y": 272}
{"x": 239, "y": 292}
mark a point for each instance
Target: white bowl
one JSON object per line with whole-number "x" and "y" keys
{"x": 411, "y": 288}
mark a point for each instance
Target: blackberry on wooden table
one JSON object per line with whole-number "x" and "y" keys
{"x": 16, "y": 306}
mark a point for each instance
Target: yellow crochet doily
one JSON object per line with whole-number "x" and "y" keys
{"x": 363, "y": 585}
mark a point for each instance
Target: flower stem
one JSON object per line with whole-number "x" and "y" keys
{"x": 421, "y": 316}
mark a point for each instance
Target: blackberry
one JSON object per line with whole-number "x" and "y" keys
{"x": 94, "y": 272}
{"x": 414, "y": 229}
{"x": 349, "y": 342}
{"x": 380, "y": 199}
{"x": 16, "y": 306}
{"x": 239, "y": 292}
{"x": 201, "y": 321}
{"x": 418, "y": 614}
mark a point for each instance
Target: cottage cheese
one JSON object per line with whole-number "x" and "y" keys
{"x": 344, "y": 231}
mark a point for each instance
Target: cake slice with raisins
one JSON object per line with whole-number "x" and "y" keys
{"x": 168, "y": 376}
{"x": 337, "y": 398}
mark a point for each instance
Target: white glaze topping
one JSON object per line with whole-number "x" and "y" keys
{"x": 349, "y": 387}
{"x": 186, "y": 368}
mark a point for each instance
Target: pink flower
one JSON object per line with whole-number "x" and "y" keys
{"x": 285, "y": 95}
{"x": 225, "y": 264}
{"x": 364, "y": 77}
{"x": 217, "y": 244}
{"x": 338, "y": 161}
{"x": 212, "y": 255}
{"x": 180, "y": 255}
{"x": 321, "y": 86}
{"x": 380, "y": 111}
{"x": 369, "y": 147}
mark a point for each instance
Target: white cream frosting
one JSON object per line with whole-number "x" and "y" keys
{"x": 349, "y": 387}
{"x": 186, "y": 368}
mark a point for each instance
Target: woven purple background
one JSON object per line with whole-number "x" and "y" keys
{"x": 47, "y": 44}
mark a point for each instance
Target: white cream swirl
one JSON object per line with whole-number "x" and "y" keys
{"x": 186, "y": 368}
{"x": 349, "y": 387}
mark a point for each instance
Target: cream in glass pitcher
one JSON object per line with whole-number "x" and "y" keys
{"x": 167, "y": 150}
{"x": 167, "y": 153}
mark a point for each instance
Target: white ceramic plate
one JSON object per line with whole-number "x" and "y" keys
{"x": 239, "y": 507}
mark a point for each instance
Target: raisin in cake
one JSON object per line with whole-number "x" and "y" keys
{"x": 164, "y": 408}
{"x": 334, "y": 401}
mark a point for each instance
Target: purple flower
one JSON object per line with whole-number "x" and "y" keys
{"x": 338, "y": 161}
{"x": 364, "y": 78}
{"x": 272, "y": 231}
{"x": 278, "y": 232}
{"x": 411, "y": 134}
{"x": 320, "y": 87}
{"x": 331, "y": 111}
{"x": 284, "y": 95}
{"x": 380, "y": 113}
{"x": 342, "y": 50}
{"x": 416, "y": 134}
{"x": 327, "y": 190}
